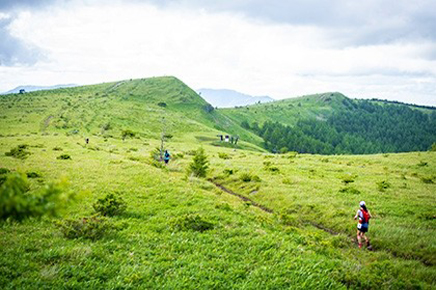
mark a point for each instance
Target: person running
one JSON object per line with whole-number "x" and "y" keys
{"x": 362, "y": 226}
{"x": 167, "y": 157}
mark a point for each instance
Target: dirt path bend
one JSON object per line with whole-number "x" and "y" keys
{"x": 319, "y": 226}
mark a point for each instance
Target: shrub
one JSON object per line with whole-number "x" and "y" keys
{"x": 64, "y": 157}
{"x": 192, "y": 223}
{"x": 33, "y": 174}
{"x": 57, "y": 148}
{"x": 229, "y": 172}
{"x": 433, "y": 147}
{"x": 422, "y": 164}
{"x": 245, "y": 177}
{"x": 274, "y": 169}
{"x": 427, "y": 179}
{"x": 199, "y": 164}
{"x": 110, "y": 205}
{"x": 92, "y": 228}
{"x": 283, "y": 150}
{"x": 127, "y": 133}
{"x": 383, "y": 185}
{"x": 19, "y": 152}
{"x": 348, "y": 179}
{"x": 4, "y": 171}
{"x": 16, "y": 203}
{"x": 350, "y": 190}
{"x": 224, "y": 155}
{"x": 162, "y": 104}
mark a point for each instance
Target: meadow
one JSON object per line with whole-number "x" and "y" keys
{"x": 183, "y": 232}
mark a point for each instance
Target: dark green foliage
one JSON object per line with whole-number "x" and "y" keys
{"x": 229, "y": 172}
{"x": 110, "y": 205}
{"x": 427, "y": 179}
{"x": 192, "y": 223}
{"x": 92, "y": 228}
{"x": 383, "y": 185}
{"x": 245, "y": 125}
{"x": 57, "y": 148}
{"x": 422, "y": 163}
{"x": 64, "y": 157}
{"x": 199, "y": 165}
{"x": 127, "y": 133}
{"x": 33, "y": 174}
{"x": 224, "y": 155}
{"x": 348, "y": 179}
{"x": 350, "y": 190}
{"x": 208, "y": 108}
{"x": 247, "y": 177}
{"x": 433, "y": 147}
{"x": 162, "y": 104}
{"x": 18, "y": 204}
{"x": 4, "y": 171}
{"x": 273, "y": 169}
{"x": 361, "y": 127}
{"x": 19, "y": 152}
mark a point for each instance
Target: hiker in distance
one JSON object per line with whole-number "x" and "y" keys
{"x": 167, "y": 157}
{"x": 362, "y": 226}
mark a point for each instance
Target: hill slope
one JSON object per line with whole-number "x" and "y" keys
{"x": 334, "y": 124}
{"x": 288, "y": 225}
{"x": 145, "y": 107}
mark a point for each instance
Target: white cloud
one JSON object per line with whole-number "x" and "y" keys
{"x": 88, "y": 43}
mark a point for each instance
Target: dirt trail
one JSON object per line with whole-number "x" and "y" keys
{"x": 266, "y": 209}
{"x": 319, "y": 226}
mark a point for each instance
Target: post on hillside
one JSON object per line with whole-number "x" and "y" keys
{"x": 162, "y": 139}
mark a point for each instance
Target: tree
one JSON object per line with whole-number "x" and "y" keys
{"x": 199, "y": 164}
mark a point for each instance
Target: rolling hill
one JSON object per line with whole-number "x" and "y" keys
{"x": 256, "y": 221}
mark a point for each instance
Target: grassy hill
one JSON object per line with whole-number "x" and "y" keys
{"x": 287, "y": 222}
{"x": 334, "y": 124}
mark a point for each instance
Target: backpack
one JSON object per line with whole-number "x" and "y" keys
{"x": 365, "y": 216}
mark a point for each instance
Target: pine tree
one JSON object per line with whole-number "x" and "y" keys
{"x": 199, "y": 164}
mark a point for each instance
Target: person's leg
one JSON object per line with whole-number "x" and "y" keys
{"x": 359, "y": 239}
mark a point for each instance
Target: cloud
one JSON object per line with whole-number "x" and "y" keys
{"x": 226, "y": 44}
{"x": 15, "y": 51}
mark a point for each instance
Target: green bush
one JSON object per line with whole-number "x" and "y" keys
{"x": 33, "y": 174}
{"x": 383, "y": 185}
{"x": 427, "y": 179}
{"x": 192, "y": 223}
{"x": 64, "y": 157}
{"x": 247, "y": 177}
{"x": 350, "y": 190}
{"x": 92, "y": 228}
{"x": 4, "y": 171}
{"x": 199, "y": 165}
{"x": 348, "y": 179}
{"x": 422, "y": 163}
{"x": 19, "y": 152}
{"x": 57, "y": 148}
{"x": 18, "y": 204}
{"x": 127, "y": 133}
{"x": 224, "y": 155}
{"x": 110, "y": 205}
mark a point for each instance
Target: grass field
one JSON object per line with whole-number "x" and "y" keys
{"x": 183, "y": 232}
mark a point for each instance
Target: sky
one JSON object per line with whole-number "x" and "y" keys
{"x": 383, "y": 49}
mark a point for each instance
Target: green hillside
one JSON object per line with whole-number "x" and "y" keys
{"x": 334, "y": 124}
{"x": 256, "y": 221}
{"x": 144, "y": 106}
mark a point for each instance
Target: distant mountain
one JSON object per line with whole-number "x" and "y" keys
{"x": 37, "y": 88}
{"x": 229, "y": 98}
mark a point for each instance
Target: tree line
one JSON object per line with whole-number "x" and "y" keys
{"x": 359, "y": 127}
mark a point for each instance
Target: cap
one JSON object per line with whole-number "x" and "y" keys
{"x": 362, "y": 203}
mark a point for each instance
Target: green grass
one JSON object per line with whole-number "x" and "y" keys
{"x": 182, "y": 232}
